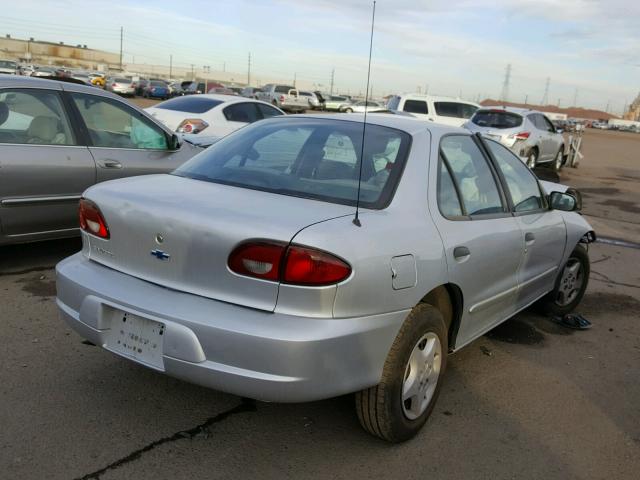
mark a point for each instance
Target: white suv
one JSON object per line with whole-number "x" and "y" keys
{"x": 444, "y": 110}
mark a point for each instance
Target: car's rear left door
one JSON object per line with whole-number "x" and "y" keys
{"x": 482, "y": 240}
{"x": 44, "y": 165}
{"x": 123, "y": 141}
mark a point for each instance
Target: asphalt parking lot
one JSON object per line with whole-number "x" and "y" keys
{"x": 528, "y": 400}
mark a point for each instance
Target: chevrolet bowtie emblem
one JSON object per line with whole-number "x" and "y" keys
{"x": 160, "y": 255}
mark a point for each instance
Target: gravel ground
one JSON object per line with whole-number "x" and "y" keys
{"x": 529, "y": 400}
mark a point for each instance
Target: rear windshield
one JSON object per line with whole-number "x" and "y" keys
{"x": 7, "y": 64}
{"x": 455, "y": 109}
{"x": 283, "y": 89}
{"x": 314, "y": 158}
{"x": 122, "y": 80}
{"x": 158, "y": 84}
{"x": 190, "y": 104}
{"x": 496, "y": 119}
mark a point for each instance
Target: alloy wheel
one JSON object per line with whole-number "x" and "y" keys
{"x": 421, "y": 375}
{"x": 570, "y": 282}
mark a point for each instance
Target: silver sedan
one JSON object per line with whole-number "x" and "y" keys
{"x": 266, "y": 267}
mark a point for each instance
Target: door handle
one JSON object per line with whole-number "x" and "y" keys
{"x": 529, "y": 238}
{"x": 110, "y": 164}
{"x": 461, "y": 253}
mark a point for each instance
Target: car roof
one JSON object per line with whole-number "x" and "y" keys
{"x": 434, "y": 98}
{"x": 228, "y": 98}
{"x": 411, "y": 125}
{"x": 17, "y": 81}
{"x": 518, "y": 110}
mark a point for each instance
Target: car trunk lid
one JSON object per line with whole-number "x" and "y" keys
{"x": 178, "y": 232}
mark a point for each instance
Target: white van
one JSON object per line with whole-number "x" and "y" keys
{"x": 445, "y": 110}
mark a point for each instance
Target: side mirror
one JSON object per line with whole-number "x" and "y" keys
{"x": 563, "y": 201}
{"x": 174, "y": 142}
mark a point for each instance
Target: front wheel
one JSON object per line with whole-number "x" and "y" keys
{"x": 557, "y": 163}
{"x": 397, "y": 408}
{"x": 348, "y": 110}
{"x": 570, "y": 285}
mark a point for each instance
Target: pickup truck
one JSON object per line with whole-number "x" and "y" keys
{"x": 283, "y": 96}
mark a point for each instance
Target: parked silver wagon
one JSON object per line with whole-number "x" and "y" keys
{"x": 244, "y": 270}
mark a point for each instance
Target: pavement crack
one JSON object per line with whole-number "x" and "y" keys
{"x": 247, "y": 405}
{"x": 28, "y": 270}
{"x": 603, "y": 259}
{"x": 606, "y": 279}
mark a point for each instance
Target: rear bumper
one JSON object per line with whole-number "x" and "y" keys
{"x": 247, "y": 352}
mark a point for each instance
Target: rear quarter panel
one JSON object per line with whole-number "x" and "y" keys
{"x": 403, "y": 228}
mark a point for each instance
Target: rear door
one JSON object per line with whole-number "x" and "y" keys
{"x": 483, "y": 242}
{"x": 43, "y": 167}
{"x": 542, "y": 131}
{"x": 123, "y": 141}
{"x": 543, "y": 230}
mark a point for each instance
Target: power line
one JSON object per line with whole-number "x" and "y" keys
{"x": 505, "y": 86}
{"x": 545, "y": 97}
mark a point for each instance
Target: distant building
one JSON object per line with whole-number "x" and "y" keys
{"x": 634, "y": 110}
{"x": 50, "y": 53}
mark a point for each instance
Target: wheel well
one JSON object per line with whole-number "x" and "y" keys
{"x": 448, "y": 300}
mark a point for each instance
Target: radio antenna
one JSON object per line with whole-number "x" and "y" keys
{"x": 356, "y": 220}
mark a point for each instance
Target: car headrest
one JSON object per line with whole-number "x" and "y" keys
{"x": 44, "y": 128}
{"x": 4, "y": 112}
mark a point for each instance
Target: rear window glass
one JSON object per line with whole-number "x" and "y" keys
{"x": 283, "y": 89}
{"x": 121, "y": 80}
{"x": 415, "y": 106}
{"x": 315, "y": 158}
{"x": 190, "y": 104}
{"x": 158, "y": 84}
{"x": 496, "y": 119}
{"x": 455, "y": 109}
{"x": 393, "y": 104}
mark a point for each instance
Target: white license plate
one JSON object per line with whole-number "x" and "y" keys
{"x": 136, "y": 337}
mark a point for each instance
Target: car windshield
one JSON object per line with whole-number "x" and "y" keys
{"x": 190, "y": 104}
{"x": 497, "y": 119}
{"x": 315, "y": 158}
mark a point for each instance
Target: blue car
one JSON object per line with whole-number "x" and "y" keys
{"x": 156, "y": 89}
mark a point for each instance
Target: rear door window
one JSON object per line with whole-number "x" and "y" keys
{"x": 268, "y": 111}
{"x": 415, "y": 106}
{"x": 454, "y": 109}
{"x": 245, "y": 112}
{"x": 496, "y": 119}
{"x": 472, "y": 175}
{"x": 34, "y": 117}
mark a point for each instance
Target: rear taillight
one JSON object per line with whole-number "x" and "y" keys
{"x": 192, "y": 125}
{"x": 91, "y": 219}
{"x": 114, "y": 84}
{"x": 281, "y": 98}
{"x": 520, "y": 136}
{"x": 291, "y": 264}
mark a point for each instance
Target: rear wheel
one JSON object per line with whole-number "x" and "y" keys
{"x": 397, "y": 408}
{"x": 532, "y": 159}
{"x": 348, "y": 110}
{"x": 570, "y": 285}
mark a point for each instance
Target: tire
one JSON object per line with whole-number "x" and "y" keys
{"x": 558, "y": 162}
{"x": 532, "y": 158}
{"x": 348, "y": 110}
{"x": 382, "y": 410}
{"x": 569, "y": 287}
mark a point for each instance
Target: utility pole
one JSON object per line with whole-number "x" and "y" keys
{"x": 526, "y": 99}
{"x": 249, "y": 70}
{"x": 224, "y": 66}
{"x": 505, "y": 85}
{"x": 545, "y": 98}
{"x": 170, "y": 66}
{"x": 575, "y": 98}
{"x": 418, "y": 88}
{"x": 333, "y": 72}
{"x": 193, "y": 75}
{"x": 295, "y": 75}
{"x": 559, "y": 102}
{"x": 426, "y": 89}
{"x": 121, "y": 35}
{"x": 608, "y": 103}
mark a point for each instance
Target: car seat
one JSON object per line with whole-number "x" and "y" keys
{"x": 45, "y": 130}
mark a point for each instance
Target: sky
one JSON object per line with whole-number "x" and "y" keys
{"x": 589, "y": 49}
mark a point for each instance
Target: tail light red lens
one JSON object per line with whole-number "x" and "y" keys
{"x": 293, "y": 264}
{"x": 91, "y": 219}
{"x": 521, "y": 135}
{"x": 308, "y": 266}
{"x": 281, "y": 98}
{"x": 192, "y": 125}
